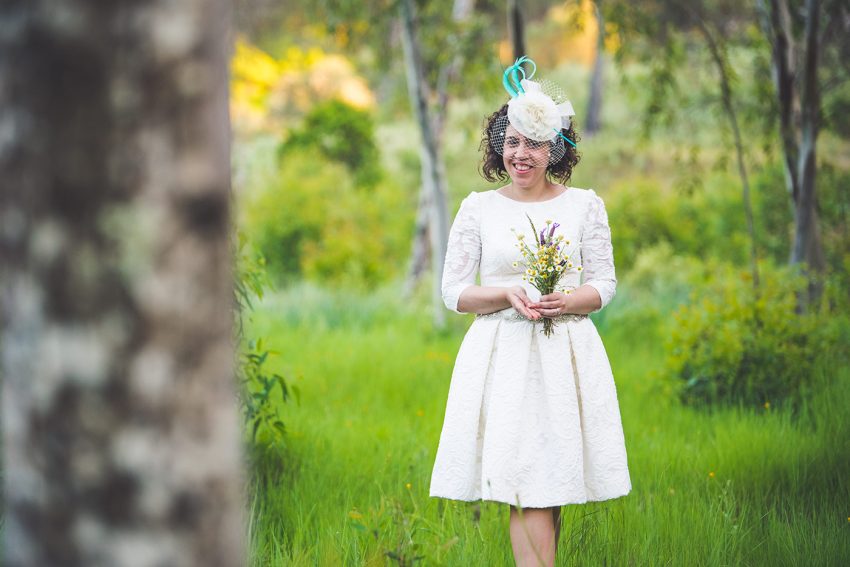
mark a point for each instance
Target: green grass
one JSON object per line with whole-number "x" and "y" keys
{"x": 738, "y": 486}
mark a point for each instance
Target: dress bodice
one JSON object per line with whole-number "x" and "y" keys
{"x": 481, "y": 242}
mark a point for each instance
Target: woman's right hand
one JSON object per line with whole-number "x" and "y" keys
{"x": 519, "y": 300}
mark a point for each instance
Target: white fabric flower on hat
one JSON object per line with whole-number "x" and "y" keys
{"x": 534, "y": 114}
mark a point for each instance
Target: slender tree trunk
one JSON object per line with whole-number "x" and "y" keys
{"x": 594, "y": 106}
{"x": 433, "y": 175}
{"x": 726, "y": 96}
{"x": 516, "y": 29}
{"x": 420, "y": 248}
{"x": 807, "y": 247}
{"x": 800, "y": 149}
{"x": 120, "y": 429}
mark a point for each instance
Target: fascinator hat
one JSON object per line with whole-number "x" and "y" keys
{"x": 537, "y": 112}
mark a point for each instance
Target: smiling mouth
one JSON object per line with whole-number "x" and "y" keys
{"x": 521, "y": 166}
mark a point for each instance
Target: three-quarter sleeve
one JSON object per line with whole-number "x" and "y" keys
{"x": 463, "y": 253}
{"x": 597, "y": 251}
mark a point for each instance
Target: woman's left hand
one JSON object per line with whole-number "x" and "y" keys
{"x": 552, "y": 304}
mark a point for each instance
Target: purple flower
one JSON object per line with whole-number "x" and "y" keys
{"x": 543, "y": 236}
{"x": 554, "y": 226}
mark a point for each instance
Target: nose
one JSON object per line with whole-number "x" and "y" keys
{"x": 520, "y": 150}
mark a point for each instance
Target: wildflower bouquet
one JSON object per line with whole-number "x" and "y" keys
{"x": 546, "y": 263}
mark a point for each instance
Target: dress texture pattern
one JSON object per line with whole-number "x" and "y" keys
{"x": 530, "y": 420}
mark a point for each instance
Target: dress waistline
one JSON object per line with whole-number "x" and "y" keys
{"x": 511, "y": 314}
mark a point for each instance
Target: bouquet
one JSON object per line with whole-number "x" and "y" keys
{"x": 546, "y": 263}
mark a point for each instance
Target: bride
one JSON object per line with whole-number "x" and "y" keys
{"x": 531, "y": 421}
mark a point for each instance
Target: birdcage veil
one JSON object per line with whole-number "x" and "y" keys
{"x": 537, "y": 112}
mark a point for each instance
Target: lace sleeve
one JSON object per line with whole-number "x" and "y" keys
{"x": 597, "y": 252}
{"x": 463, "y": 252}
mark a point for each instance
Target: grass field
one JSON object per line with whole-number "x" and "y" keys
{"x": 740, "y": 486}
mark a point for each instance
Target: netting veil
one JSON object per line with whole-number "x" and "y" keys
{"x": 537, "y": 112}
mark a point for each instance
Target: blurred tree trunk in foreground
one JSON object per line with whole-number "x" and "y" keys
{"x": 121, "y": 433}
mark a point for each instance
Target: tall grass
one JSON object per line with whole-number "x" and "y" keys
{"x": 738, "y": 486}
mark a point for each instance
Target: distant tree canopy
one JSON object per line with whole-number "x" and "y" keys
{"x": 340, "y": 133}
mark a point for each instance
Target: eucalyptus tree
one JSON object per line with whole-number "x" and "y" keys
{"x": 810, "y": 47}
{"x": 809, "y": 44}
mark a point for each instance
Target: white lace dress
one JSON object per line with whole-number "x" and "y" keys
{"x": 530, "y": 420}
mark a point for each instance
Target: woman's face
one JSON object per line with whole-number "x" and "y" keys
{"x": 525, "y": 160}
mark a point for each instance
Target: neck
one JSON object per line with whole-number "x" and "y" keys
{"x": 536, "y": 192}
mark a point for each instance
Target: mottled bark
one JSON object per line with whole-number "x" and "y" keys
{"x": 121, "y": 433}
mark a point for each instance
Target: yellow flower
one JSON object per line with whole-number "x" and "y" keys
{"x": 516, "y": 264}
{"x": 766, "y": 405}
{"x": 408, "y": 485}
{"x": 711, "y": 474}
{"x": 354, "y": 514}
{"x": 548, "y": 222}
{"x": 579, "y": 268}
{"x": 520, "y": 236}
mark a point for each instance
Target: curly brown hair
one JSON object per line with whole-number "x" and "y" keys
{"x": 492, "y": 166}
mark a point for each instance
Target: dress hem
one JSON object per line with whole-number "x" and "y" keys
{"x": 536, "y": 505}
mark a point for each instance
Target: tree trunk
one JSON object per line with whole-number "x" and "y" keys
{"x": 420, "y": 248}
{"x": 807, "y": 247}
{"x": 121, "y": 432}
{"x": 594, "y": 105}
{"x": 799, "y": 147}
{"x": 516, "y": 31}
{"x": 433, "y": 176}
{"x": 720, "y": 61}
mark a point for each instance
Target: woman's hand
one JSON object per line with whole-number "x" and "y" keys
{"x": 519, "y": 300}
{"x": 552, "y": 304}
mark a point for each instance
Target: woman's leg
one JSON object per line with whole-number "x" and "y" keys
{"x": 533, "y": 536}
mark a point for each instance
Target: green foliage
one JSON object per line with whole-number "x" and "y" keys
{"x": 311, "y": 221}
{"x": 340, "y": 133}
{"x": 729, "y": 346}
{"x": 261, "y": 411}
{"x": 773, "y": 212}
{"x": 641, "y": 216}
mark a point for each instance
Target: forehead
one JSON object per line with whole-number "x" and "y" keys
{"x": 514, "y": 135}
{"x": 512, "y": 132}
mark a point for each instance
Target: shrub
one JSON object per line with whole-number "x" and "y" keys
{"x": 726, "y": 346}
{"x": 311, "y": 221}
{"x": 339, "y": 133}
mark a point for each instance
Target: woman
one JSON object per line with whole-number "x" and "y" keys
{"x": 531, "y": 420}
